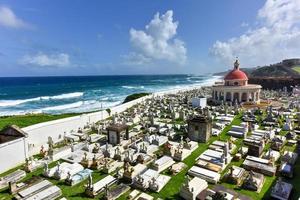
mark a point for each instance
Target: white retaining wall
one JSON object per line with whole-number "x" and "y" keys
{"x": 38, "y": 134}
{"x": 12, "y": 154}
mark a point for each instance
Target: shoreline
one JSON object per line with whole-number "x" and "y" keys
{"x": 56, "y": 128}
{"x": 207, "y": 82}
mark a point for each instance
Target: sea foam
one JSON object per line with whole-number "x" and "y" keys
{"x": 7, "y": 103}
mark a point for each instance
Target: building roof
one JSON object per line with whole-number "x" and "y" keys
{"x": 236, "y": 73}
{"x": 117, "y": 127}
{"x": 10, "y": 133}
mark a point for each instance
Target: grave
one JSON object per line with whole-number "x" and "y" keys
{"x": 12, "y": 177}
{"x": 286, "y": 170}
{"x": 64, "y": 172}
{"x": 93, "y": 190}
{"x": 192, "y": 187}
{"x": 33, "y": 164}
{"x": 43, "y": 189}
{"x": 255, "y": 148}
{"x": 163, "y": 163}
{"x": 143, "y": 180}
{"x": 177, "y": 167}
{"x": 254, "y": 181}
{"x": 259, "y": 166}
{"x": 157, "y": 183}
{"x": 200, "y": 128}
{"x": 208, "y": 175}
{"x": 130, "y": 172}
{"x": 289, "y": 157}
{"x": 281, "y": 190}
{"x": 78, "y": 177}
{"x": 117, "y": 133}
{"x": 235, "y": 175}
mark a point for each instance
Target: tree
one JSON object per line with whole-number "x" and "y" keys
{"x": 108, "y": 111}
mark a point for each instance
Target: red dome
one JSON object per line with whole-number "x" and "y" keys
{"x": 236, "y": 74}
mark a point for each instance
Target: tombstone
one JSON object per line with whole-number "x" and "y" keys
{"x": 12, "y": 187}
{"x": 254, "y": 181}
{"x": 96, "y": 148}
{"x": 255, "y": 149}
{"x": 281, "y": 190}
{"x": 43, "y": 153}
{"x": 200, "y": 128}
{"x": 116, "y": 133}
{"x": 50, "y": 144}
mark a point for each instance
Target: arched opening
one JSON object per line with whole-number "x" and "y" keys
{"x": 216, "y": 95}
{"x": 228, "y": 96}
{"x": 236, "y": 97}
{"x": 221, "y": 96}
{"x": 244, "y": 97}
{"x": 252, "y": 96}
{"x": 236, "y": 83}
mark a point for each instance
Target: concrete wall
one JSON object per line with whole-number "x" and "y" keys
{"x": 12, "y": 154}
{"x": 38, "y": 134}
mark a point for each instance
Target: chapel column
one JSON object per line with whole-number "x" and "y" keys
{"x": 240, "y": 97}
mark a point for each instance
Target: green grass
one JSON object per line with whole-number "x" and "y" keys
{"x": 171, "y": 190}
{"x": 74, "y": 192}
{"x": 296, "y": 68}
{"x": 27, "y": 120}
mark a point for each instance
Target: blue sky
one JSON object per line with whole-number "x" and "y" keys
{"x": 72, "y": 37}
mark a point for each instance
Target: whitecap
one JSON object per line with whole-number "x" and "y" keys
{"x": 6, "y": 103}
{"x": 133, "y": 87}
{"x": 63, "y": 107}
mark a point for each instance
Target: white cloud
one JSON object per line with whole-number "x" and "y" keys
{"x": 44, "y": 60}
{"x": 275, "y": 38}
{"x": 134, "y": 58}
{"x": 9, "y": 19}
{"x": 157, "y": 41}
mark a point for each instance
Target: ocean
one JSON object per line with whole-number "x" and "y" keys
{"x": 57, "y": 95}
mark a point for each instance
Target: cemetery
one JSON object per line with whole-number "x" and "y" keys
{"x": 164, "y": 147}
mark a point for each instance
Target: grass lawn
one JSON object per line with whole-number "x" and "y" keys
{"x": 297, "y": 69}
{"x": 171, "y": 190}
{"x": 27, "y": 120}
{"x": 74, "y": 192}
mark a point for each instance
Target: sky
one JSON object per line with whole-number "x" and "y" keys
{"x": 77, "y": 37}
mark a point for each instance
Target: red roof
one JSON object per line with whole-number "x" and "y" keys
{"x": 236, "y": 74}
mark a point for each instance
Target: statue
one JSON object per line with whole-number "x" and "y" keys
{"x": 46, "y": 167}
{"x": 96, "y": 148}
{"x": 106, "y": 191}
{"x": 90, "y": 182}
{"x": 85, "y": 156}
{"x": 226, "y": 108}
{"x": 231, "y": 171}
{"x": 69, "y": 176}
{"x": 58, "y": 165}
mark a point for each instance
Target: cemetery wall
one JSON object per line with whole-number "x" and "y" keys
{"x": 38, "y": 134}
{"x": 12, "y": 154}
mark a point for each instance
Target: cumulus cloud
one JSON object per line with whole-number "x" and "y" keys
{"x": 157, "y": 41}
{"x": 276, "y": 37}
{"x": 134, "y": 58}
{"x": 44, "y": 60}
{"x": 10, "y": 20}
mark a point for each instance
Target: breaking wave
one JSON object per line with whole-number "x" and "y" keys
{"x": 6, "y": 103}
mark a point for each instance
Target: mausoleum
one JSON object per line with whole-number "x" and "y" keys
{"x": 235, "y": 88}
